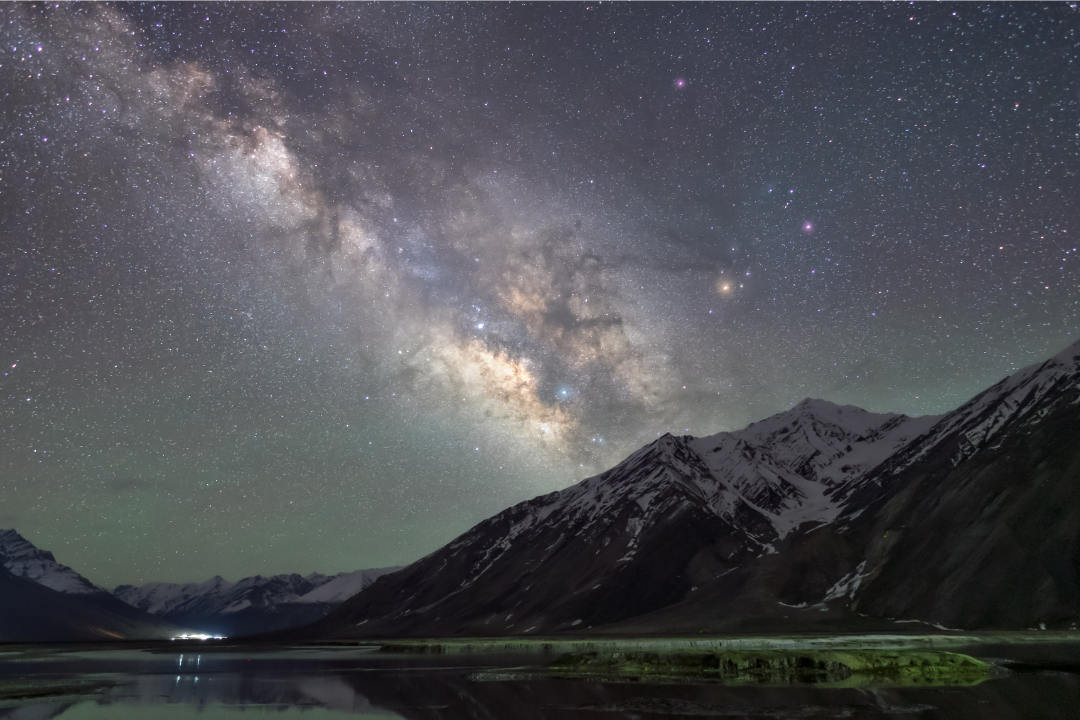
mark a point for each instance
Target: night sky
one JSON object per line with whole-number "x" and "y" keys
{"x": 287, "y": 288}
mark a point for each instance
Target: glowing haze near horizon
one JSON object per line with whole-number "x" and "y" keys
{"x": 288, "y": 288}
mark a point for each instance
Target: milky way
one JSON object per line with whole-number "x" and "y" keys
{"x": 290, "y": 288}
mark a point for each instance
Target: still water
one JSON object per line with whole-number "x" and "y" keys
{"x": 174, "y": 682}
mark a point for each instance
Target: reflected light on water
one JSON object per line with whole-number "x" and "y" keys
{"x": 99, "y": 711}
{"x": 212, "y": 681}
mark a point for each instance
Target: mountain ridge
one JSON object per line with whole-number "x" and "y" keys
{"x": 26, "y": 560}
{"x": 250, "y": 605}
{"x": 34, "y": 582}
{"x": 734, "y": 489}
{"x": 790, "y": 520}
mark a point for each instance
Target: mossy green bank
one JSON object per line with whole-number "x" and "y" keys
{"x": 780, "y": 667}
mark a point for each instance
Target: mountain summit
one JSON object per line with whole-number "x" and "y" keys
{"x": 968, "y": 519}
{"x": 674, "y": 516}
{"x": 24, "y": 560}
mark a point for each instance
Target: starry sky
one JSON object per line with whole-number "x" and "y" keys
{"x": 295, "y": 288}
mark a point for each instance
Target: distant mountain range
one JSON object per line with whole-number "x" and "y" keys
{"x": 822, "y": 516}
{"x": 253, "y": 605}
{"x": 41, "y": 599}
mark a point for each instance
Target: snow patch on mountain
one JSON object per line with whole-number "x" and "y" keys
{"x": 342, "y": 587}
{"x": 789, "y": 466}
{"x": 1018, "y": 397}
{"x": 846, "y": 586}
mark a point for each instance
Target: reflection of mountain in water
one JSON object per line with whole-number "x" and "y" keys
{"x": 328, "y": 683}
{"x": 267, "y": 689}
{"x": 209, "y": 685}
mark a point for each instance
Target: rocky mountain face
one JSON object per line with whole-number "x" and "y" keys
{"x": 983, "y": 527}
{"x": 42, "y": 600}
{"x": 675, "y": 516}
{"x": 252, "y": 605}
{"x": 24, "y": 560}
{"x": 821, "y": 514}
{"x": 30, "y": 612}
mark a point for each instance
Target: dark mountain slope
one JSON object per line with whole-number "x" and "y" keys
{"x": 822, "y": 517}
{"x": 670, "y": 519}
{"x": 41, "y": 599}
{"x": 554, "y": 563}
{"x": 30, "y": 612}
{"x": 985, "y": 530}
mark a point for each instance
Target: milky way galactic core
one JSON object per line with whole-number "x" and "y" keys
{"x": 292, "y": 287}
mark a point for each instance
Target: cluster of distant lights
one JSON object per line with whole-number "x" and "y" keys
{"x": 199, "y": 636}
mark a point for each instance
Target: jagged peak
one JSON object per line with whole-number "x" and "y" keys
{"x": 668, "y": 440}
{"x": 812, "y": 413}
{"x": 221, "y": 597}
{"x": 24, "y": 559}
{"x": 12, "y": 537}
{"x": 14, "y": 546}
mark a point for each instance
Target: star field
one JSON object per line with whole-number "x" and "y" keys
{"x": 287, "y": 288}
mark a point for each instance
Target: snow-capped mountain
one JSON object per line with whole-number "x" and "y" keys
{"x": 1023, "y": 398}
{"x": 253, "y": 604}
{"x": 793, "y": 466}
{"x": 30, "y": 612}
{"x": 42, "y": 600}
{"x": 218, "y": 596}
{"x": 24, "y": 560}
{"x": 674, "y": 515}
{"x": 162, "y": 598}
{"x": 803, "y": 513}
{"x": 339, "y": 588}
